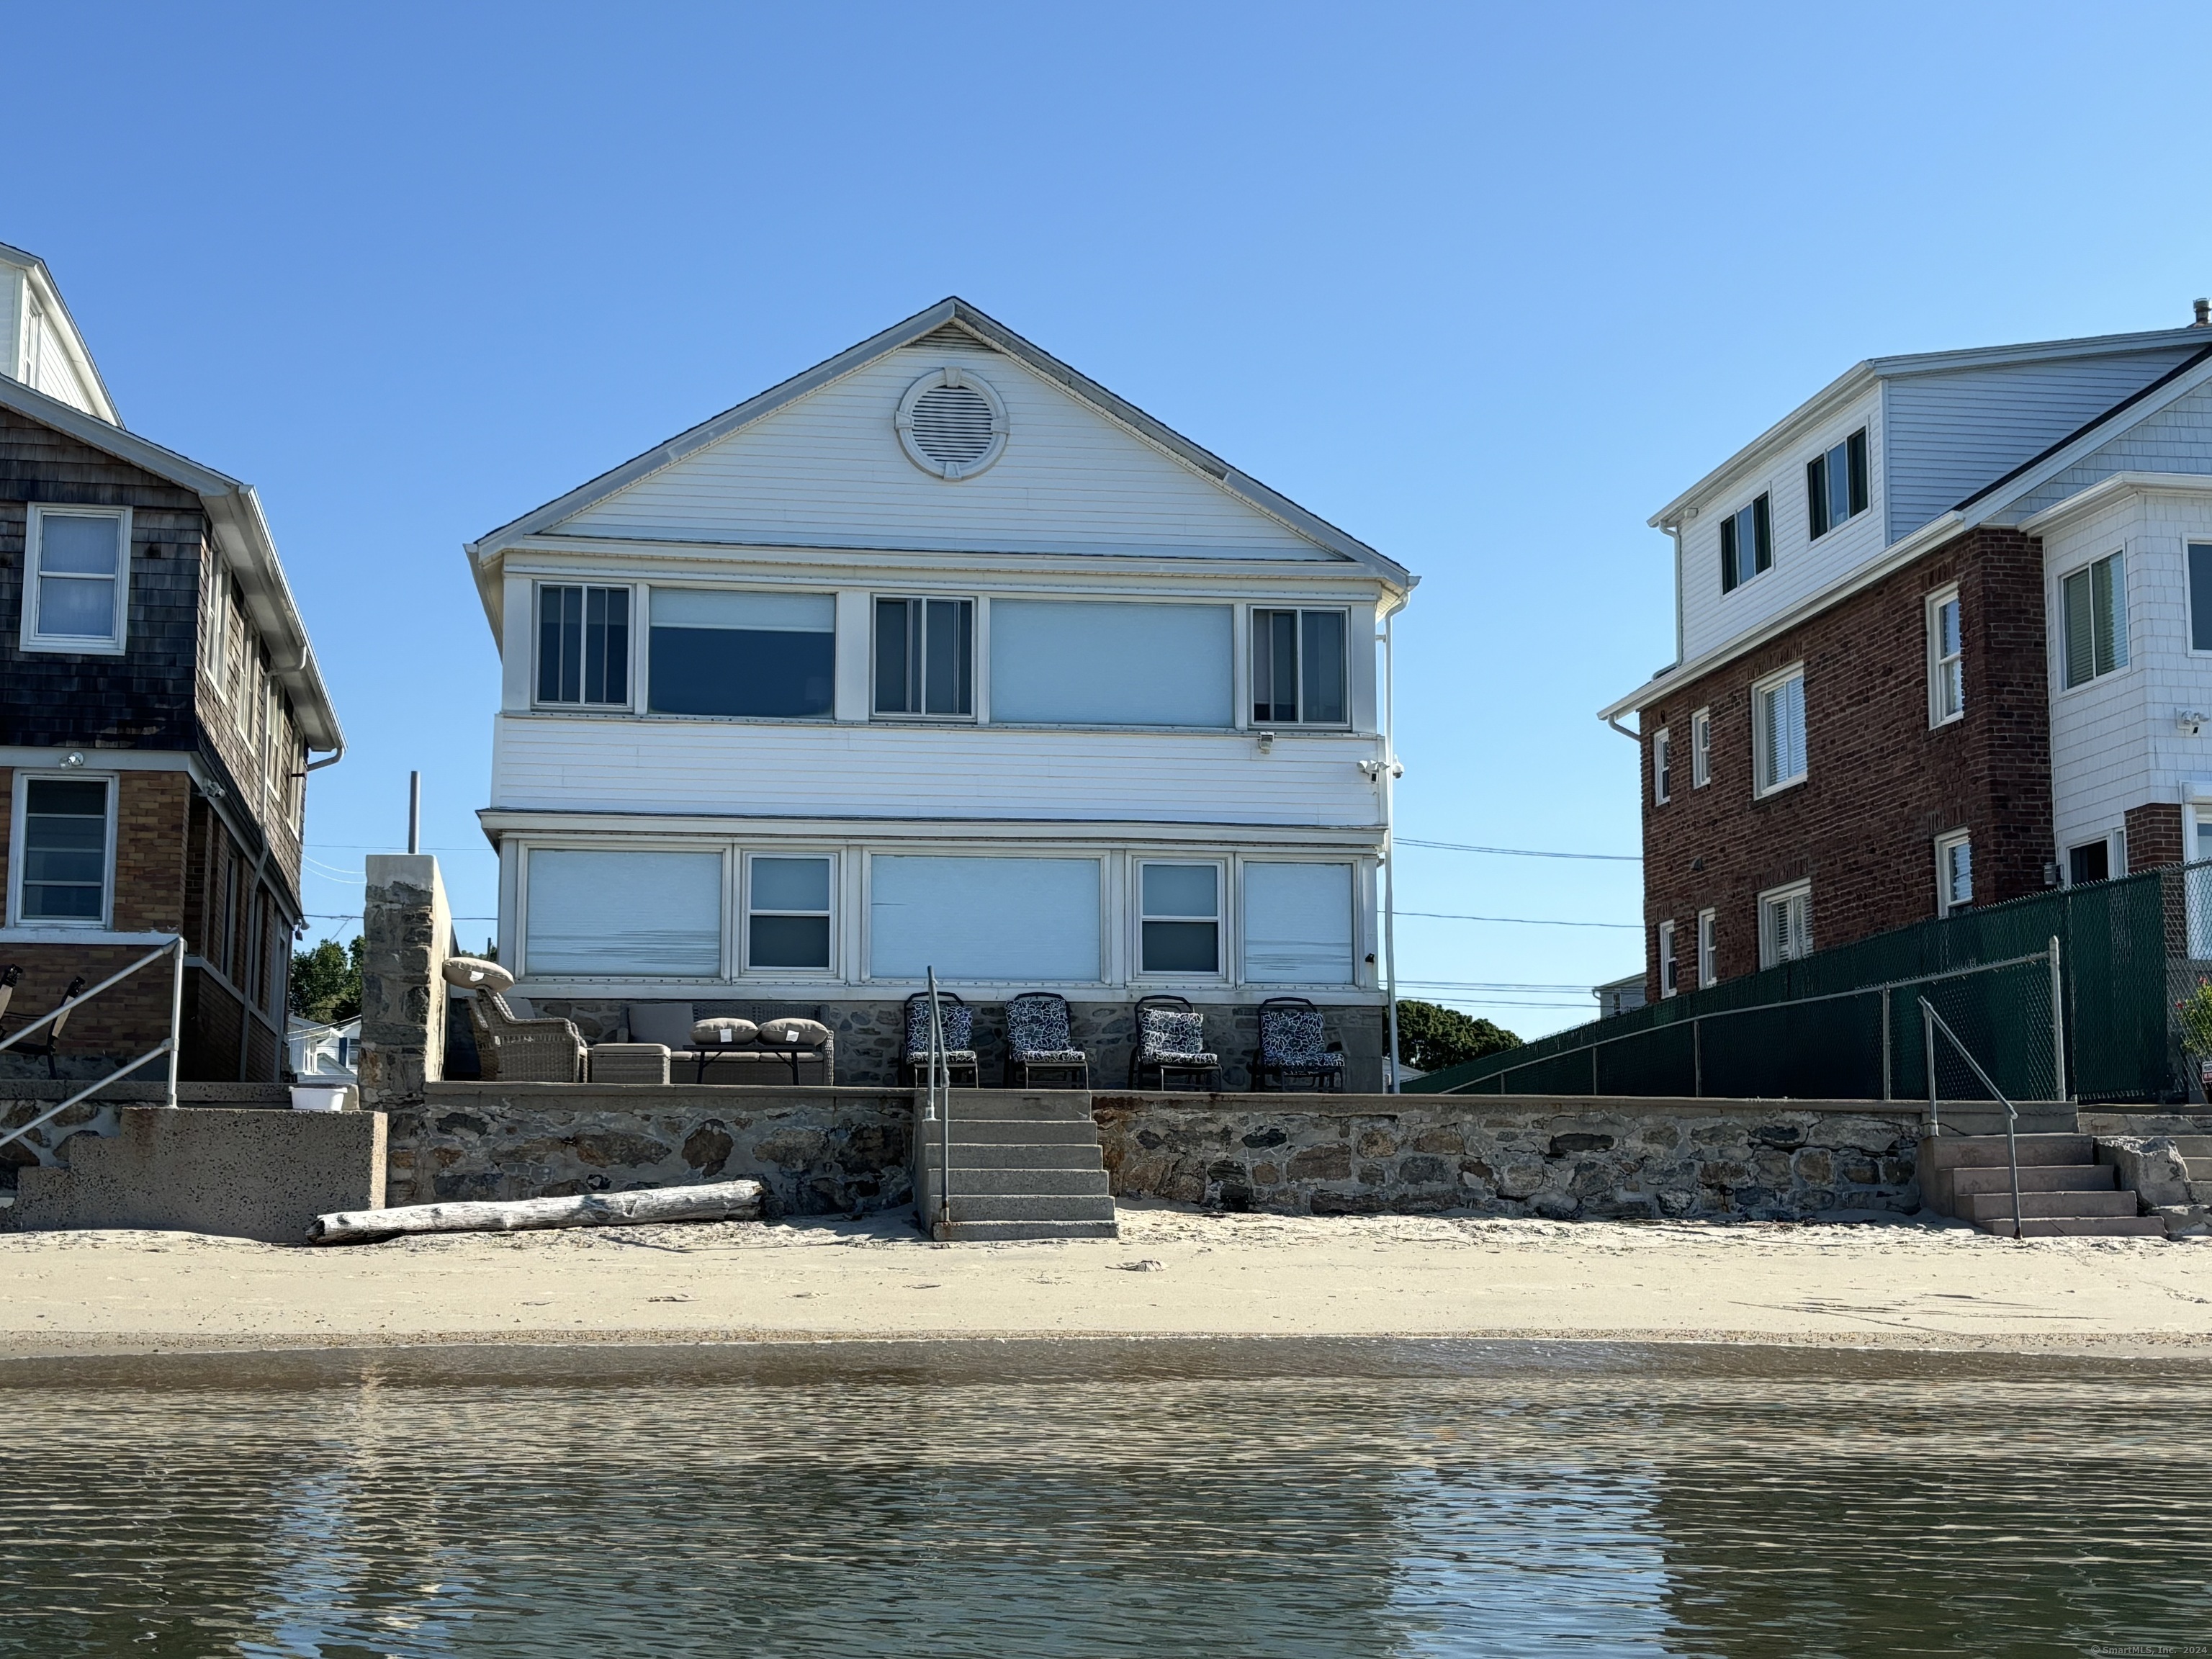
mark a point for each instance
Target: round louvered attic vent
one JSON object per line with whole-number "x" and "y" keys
{"x": 952, "y": 423}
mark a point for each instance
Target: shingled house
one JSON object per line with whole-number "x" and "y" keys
{"x": 158, "y": 700}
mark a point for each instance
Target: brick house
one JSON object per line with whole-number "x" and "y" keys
{"x": 158, "y": 699}
{"x": 1943, "y": 636}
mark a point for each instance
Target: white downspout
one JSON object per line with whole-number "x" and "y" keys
{"x": 1387, "y": 772}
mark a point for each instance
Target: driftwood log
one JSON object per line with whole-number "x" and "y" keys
{"x": 722, "y": 1201}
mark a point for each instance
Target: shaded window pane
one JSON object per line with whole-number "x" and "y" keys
{"x": 770, "y": 655}
{"x": 2200, "y": 597}
{"x": 1816, "y": 495}
{"x": 2081, "y": 657}
{"x": 1728, "y": 555}
{"x": 1762, "y": 526}
{"x": 77, "y": 607}
{"x": 1839, "y": 470}
{"x": 64, "y": 850}
{"x": 1855, "y": 449}
{"x": 1181, "y": 947}
{"x": 1321, "y": 665}
{"x": 86, "y": 547}
{"x": 949, "y": 655}
{"x": 790, "y": 942}
{"x": 895, "y": 655}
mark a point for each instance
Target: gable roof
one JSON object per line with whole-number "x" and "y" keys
{"x": 241, "y": 530}
{"x": 49, "y": 296}
{"x": 951, "y": 312}
{"x": 1862, "y": 376}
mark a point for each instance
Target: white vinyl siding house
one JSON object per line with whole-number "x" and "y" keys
{"x": 991, "y": 707}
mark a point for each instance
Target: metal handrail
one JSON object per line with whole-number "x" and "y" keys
{"x": 2049, "y": 954}
{"x": 169, "y": 1045}
{"x": 1935, "y": 1023}
{"x": 940, "y": 1106}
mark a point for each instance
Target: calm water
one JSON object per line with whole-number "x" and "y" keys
{"x": 1217, "y": 1499}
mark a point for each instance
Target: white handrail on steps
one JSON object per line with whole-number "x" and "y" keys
{"x": 1933, "y": 1023}
{"x": 940, "y": 1106}
{"x": 168, "y": 1045}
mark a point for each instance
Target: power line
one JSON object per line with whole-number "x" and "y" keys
{"x": 1525, "y": 921}
{"x": 1486, "y": 985}
{"x": 1519, "y": 852}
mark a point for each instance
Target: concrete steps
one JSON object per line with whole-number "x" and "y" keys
{"x": 2064, "y": 1192}
{"x": 1025, "y": 1165}
{"x": 2196, "y": 1158}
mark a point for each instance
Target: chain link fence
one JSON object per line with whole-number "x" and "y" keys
{"x": 2064, "y": 994}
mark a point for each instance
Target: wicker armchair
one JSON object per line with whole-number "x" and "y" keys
{"x": 1041, "y": 1037}
{"x": 959, "y": 1038}
{"x": 1290, "y": 1045}
{"x": 512, "y": 1049}
{"x": 1171, "y": 1036}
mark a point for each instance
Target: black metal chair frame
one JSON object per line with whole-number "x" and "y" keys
{"x": 914, "y": 1066}
{"x": 1137, "y": 1062}
{"x": 1018, "y": 1074}
{"x": 1263, "y": 1069}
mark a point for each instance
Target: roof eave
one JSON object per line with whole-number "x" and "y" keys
{"x": 50, "y": 295}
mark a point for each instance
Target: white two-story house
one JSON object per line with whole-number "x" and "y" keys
{"x": 940, "y": 655}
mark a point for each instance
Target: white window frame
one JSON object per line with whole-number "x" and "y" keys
{"x": 973, "y": 717}
{"x": 2189, "y": 546}
{"x": 538, "y": 587}
{"x": 1662, "y": 761}
{"x": 1251, "y": 667}
{"x": 1945, "y": 905}
{"x": 1771, "y": 954}
{"x": 20, "y": 807}
{"x": 731, "y": 945}
{"x": 1937, "y": 661}
{"x": 1670, "y": 976}
{"x": 2123, "y": 628}
{"x": 1759, "y": 688}
{"x": 1708, "y": 949}
{"x": 28, "y": 636}
{"x": 744, "y": 931}
{"x": 1701, "y": 748}
{"x": 1138, "y": 916}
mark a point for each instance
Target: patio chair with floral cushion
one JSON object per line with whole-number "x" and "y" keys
{"x": 959, "y": 1037}
{"x": 1041, "y": 1037}
{"x": 510, "y": 1048}
{"x": 1171, "y": 1038}
{"x": 1292, "y": 1045}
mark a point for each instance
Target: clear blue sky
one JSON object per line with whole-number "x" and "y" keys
{"x": 1485, "y": 286}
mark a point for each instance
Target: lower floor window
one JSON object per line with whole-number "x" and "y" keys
{"x": 1669, "y": 981}
{"x": 1954, "y": 872}
{"x": 1179, "y": 932}
{"x": 2091, "y": 861}
{"x": 638, "y": 914}
{"x": 62, "y": 851}
{"x": 1785, "y": 924}
{"x": 787, "y": 914}
{"x": 1708, "y": 971}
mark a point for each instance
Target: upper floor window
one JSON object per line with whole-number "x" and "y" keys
{"x": 1298, "y": 667}
{"x": 2200, "y": 596}
{"x": 716, "y": 651}
{"x": 1746, "y": 544}
{"x": 64, "y": 841}
{"x": 1777, "y": 729}
{"x": 926, "y": 657}
{"x": 76, "y": 579}
{"x": 1947, "y": 658}
{"x": 1836, "y": 484}
{"x": 583, "y": 644}
{"x": 1662, "y": 768}
{"x": 2095, "y": 601}
{"x": 1091, "y": 662}
{"x": 1701, "y": 748}
{"x": 1669, "y": 977}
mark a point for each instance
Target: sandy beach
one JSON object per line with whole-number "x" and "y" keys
{"x": 1173, "y": 1272}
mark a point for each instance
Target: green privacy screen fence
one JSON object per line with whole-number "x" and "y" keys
{"x": 2078, "y": 983}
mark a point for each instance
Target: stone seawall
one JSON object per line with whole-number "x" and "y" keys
{"x": 819, "y": 1152}
{"x": 1511, "y": 1156}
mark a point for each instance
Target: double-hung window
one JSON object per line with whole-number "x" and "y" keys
{"x": 1701, "y": 748}
{"x": 1785, "y": 924}
{"x": 1947, "y": 658}
{"x": 583, "y": 645}
{"x": 63, "y": 839}
{"x": 788, "y": 913}
{"x": 1836, "y": 484}
{"x": 926, "y": 658}
{"x": 1297, "y": 668}
{"x": 1954, "y": 872}
{"x": 1662, "y": 767}
{"x": 1777, "y": 729}
{"x": 1670, "y": 978}
{"x": 76, "y": 579}
{"x": 1708, "y": 955}
{"x": 1179, "y": 927}
{"x": 1746, "y": 544}
{"x": 2200, "y": 596}
{"x": 2095, "y": 601}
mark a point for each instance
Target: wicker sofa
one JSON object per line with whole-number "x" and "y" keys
{"x": 672, "y": 1023}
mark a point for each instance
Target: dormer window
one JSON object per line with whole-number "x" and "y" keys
{"x": 1746, "y": 544}
{"x": 1836, "y": 484}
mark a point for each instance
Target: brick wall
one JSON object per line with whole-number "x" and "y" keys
{"x": 2154, "y": 835}
{"x": 1879, "y": 784}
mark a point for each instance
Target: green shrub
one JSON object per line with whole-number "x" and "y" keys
{"x": 2196, "y": 1012}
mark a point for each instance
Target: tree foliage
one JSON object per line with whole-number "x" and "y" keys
{"x": 1431, "y": 1038}
{"x": 326, "y": 981}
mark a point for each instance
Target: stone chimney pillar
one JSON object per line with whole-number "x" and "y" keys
{"x": 409, "y": 929}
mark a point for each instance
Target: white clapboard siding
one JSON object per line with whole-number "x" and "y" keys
{"x": 2177, "y": 439}
{"x": 828, "y": 469}
{"x": 1802, "y": 566}
{"x": 11, "y": 315}
{"x": 548, "y": 763}
{"x": 1953, "y": 433}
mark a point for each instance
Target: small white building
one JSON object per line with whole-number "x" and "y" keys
{"x": 940, "y": 655}
{"x": 322, "y": 1052}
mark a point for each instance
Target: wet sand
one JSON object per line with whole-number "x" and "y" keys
{"x": 1173, "y": 1272}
